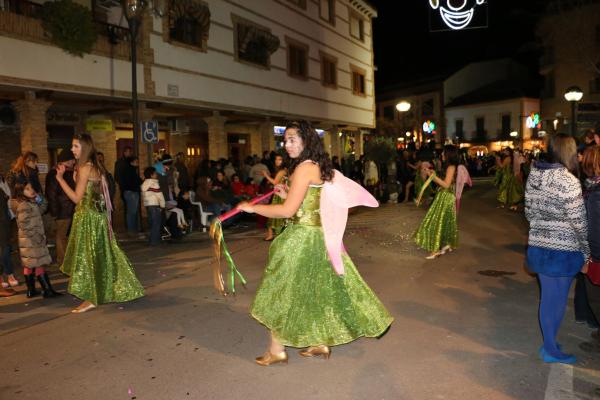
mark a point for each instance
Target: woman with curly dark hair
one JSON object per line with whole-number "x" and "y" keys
{"x": 311, "y": 295}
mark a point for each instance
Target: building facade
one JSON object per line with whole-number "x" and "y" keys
{"x": 491, "y": 105}
{"x": 570, "y": 34}
{"x": 217, "y": 75}
{"x": 423, "y": 122}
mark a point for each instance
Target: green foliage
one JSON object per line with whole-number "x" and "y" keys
{"x": 381, "y": 149}
{"x": 70, "y": 26}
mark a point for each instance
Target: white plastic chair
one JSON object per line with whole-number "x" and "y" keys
{"x": 203, "y": 214}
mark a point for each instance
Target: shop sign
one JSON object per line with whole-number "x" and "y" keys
{"x": 149, "y": 131}
{"x": 105, "y": 125}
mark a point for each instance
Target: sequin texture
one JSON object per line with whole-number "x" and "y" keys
{"x": 439, "y": 227}
{"x": 302, "y": 300}
{"x": 100, "y": 272}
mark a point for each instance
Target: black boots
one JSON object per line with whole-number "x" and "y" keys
{"x": 30, "y": 281}
{"x": 47, "y": 290}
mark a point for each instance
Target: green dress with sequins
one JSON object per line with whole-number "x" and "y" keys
{"x": 100, "y": 272}
{"x": 302, "y": 300}
{"x": 277, "y": 224}
{"x": 439, "y": 227}
{"x": 510, "y": 191}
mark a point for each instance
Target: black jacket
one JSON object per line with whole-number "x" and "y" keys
{"x": 23, "y": 177}
{"x": 592, "y": 205}
{"x": 131, "y": 181}
{"x": 4, "y": 220}
{"x": 59, "y": 204}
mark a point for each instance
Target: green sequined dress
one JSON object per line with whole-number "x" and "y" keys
{"x": 100, "y": 272}
{"x": 277, "y": 224}
{"x": 439, "y": 227}
{"x": 510, "y": 191}
{"x": 301, "y": 299}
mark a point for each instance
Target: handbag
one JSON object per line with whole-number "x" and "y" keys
{"x": 593, "y": 272}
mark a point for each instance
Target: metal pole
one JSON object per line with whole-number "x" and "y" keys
{"x": 133, "y": 26}
{"x": 573, "y": 119}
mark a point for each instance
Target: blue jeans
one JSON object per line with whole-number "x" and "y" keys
{"x": 6, "y": 261}
{"x": 155, "y": 223}
{"x": 132, "y": 200}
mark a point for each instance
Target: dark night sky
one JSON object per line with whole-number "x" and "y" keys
{"x": 406, "y": 50}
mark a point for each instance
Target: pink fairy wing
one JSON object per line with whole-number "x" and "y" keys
{"x": 337, "y": 197}
{"x": 462, "y": 178}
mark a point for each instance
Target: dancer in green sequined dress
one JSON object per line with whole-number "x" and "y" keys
{"x": 301, "y": 299}
{"x": 276, "y": 225}
{"x": 438, "y": 232}
{"x": 510, "y": 190}
{"x": 100, "y": 272}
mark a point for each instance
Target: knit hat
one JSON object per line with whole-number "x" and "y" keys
{"x": 65, "y": 155}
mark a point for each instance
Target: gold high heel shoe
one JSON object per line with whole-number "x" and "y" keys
{"x": 446, "y": 249}
{"x": 316, "y": 351}
{"x": 269, "y": 358}
{"x": 80, "y": 309}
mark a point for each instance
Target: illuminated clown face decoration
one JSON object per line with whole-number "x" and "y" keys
{"x": 457, "y": 14}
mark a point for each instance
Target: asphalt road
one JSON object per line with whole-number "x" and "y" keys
{"x": 465, "y": 325}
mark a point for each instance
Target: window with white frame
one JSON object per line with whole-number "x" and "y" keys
{"x": 327, "y": 10}
{"x": 357, "y": 27}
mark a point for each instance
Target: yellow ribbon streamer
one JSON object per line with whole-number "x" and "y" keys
{"x": 425, "y": 186}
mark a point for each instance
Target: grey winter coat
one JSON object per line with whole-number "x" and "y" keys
{"x": 32, "y": 238}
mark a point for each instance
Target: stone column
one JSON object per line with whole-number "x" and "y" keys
{"x": 31, "y": 114}
{"x": 217, "y": 136}
{"x": 336, "y": 143}
{"x": 177, "y": 143}
{"x": 267, "y": 136}
{"x": 256, "y": 141}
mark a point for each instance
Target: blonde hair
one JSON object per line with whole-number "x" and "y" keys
{"x": 563, "y": 149}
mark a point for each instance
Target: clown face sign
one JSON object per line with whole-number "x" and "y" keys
{"x": 459, "y": 14}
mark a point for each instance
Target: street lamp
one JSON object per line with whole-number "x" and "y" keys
{"x": 134, "y": 12}
{"x": 573, "y": 95}
{"x": 403, "y": 106}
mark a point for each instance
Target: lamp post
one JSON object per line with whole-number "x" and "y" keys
{"x": 573, "y": 95}
{"x": 134, "y": 11}
{"x": 402, "y": 108}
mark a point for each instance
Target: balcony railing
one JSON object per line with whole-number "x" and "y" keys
{"x": 22, "y": 7}
{"x": 23, "y": 19}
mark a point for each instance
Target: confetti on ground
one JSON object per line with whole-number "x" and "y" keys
{"x": 121, "y": 307}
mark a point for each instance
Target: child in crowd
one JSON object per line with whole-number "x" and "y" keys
{"x": 28, "y": 206}
{"x": 154, "y": 201}
{"x": 237, "y": 187}
{"x": 184, "y": 203}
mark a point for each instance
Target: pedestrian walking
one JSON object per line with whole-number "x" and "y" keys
{"x": 5, "y": 219}
{"x": 7, "y": 279}
{"x": 154, "y": 201}
{"x": 302, "y": 298}
{"x": 28, "y": 207}
{"x": 59, "y": 204}
{"x": 130, "y": 184}
{"x": 591, "y": 195}
{"x": 24, "y": 171}
{"x": 100, "y": 272}
{"x": 558, "y": 236}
